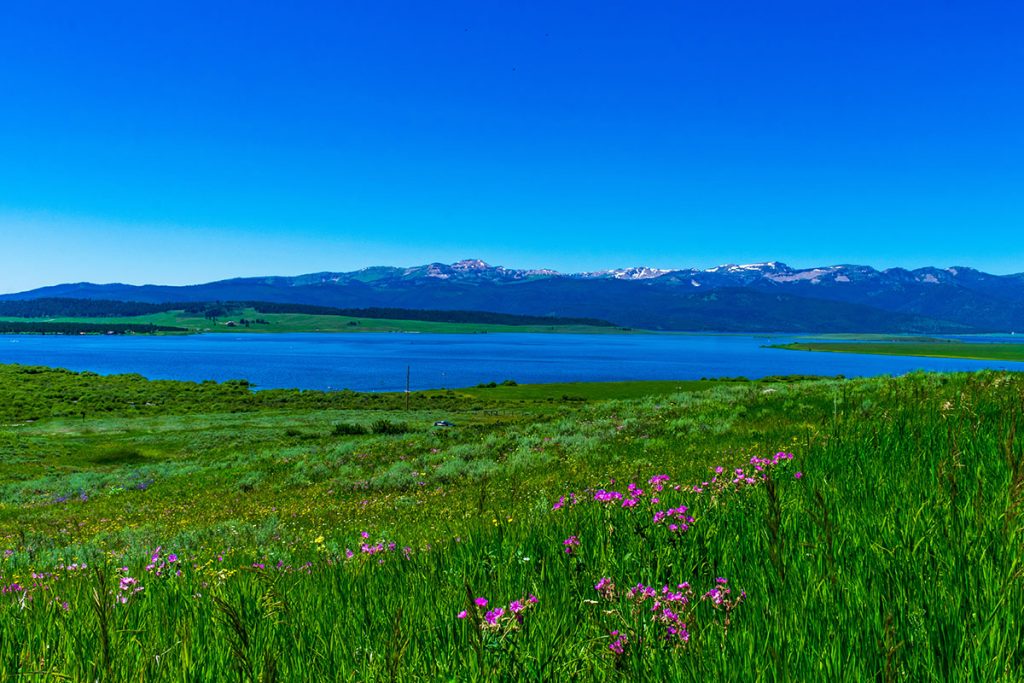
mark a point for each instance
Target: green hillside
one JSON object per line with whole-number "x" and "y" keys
{"x": 305, "y": 322}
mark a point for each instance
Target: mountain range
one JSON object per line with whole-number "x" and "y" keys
{"x": 755, "y": 297}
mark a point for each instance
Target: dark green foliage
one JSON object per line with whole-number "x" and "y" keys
{"x": 388, "y": 427}
{"x": 117, "y": 455}
{"x": 349, "y": 429}
{"x": 84, "y": 328}
{"x": 77, "y": 308}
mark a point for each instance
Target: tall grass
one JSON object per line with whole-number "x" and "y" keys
{"x": 896, "y": 554}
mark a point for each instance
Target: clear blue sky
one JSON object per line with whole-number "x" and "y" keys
{"x": 180, "y": 142}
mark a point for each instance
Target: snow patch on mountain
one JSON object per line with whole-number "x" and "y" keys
{"x": 814, "y": 275}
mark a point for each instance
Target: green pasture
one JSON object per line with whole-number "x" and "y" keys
{"x": 171, "y": 531}
{"x": 302, "y": 322}
{"x": 932, "y": 349}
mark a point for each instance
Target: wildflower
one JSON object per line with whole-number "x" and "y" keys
{"x": 571, "y": 544}
{"x": 172, "y": 558}
{"x": 798, "y": 475}
{"x": 463, "y": 614}
{"x": 480, "y": 602}
{"x": 516, "y": 606}
{"x": 493, "y": 616}
{"x": 658, "y": 481}
{"x": 605, "y": 588}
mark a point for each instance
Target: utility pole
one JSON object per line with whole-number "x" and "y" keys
{"x": 407, "y": 387}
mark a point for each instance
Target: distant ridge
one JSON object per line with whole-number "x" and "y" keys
{"x": 768, "y": 296}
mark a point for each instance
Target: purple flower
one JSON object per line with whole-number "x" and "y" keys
{"x": 571, "y": 544}
{"x": 516, "y": 606}
{"x": 463, "y": 614}
{"x": 493, "y": 616}
{"x": 605, "y": 588}
{"x": 798, "y": 475}
{"x": 480, "y": 602}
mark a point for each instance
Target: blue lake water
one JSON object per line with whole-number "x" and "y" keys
{"x": 377, "y": 362}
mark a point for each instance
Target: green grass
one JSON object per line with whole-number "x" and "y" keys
{"x": 895, "y": 338}
{"x": 934, "y": 349}
{"x": 301, "y": 322}
{"x": 895, "y": 556}
{"x": 594, "y": 391}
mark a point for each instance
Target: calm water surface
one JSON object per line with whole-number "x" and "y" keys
{"x": 377, "y": 362}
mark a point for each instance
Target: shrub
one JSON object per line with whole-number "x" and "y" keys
{"x": 349, "y": 429}
{"x": 388, "y": 427}
{"x": 400, "y": 475}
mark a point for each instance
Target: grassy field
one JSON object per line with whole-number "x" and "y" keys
{"x": 933, "y": 349}
{"x": 301, "y": 322}
{"x": 833, "y": 530}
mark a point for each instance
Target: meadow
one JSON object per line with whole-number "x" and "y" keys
{"x": 931, "y": 348}
{"x": 784, "y": 529}
{"x": 176, "y": 322}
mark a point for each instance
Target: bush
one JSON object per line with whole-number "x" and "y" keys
{"x": 399, "y": 476}
{"x": 388, "y": 427}
{"x": 307, "y": 473}
{"x": 473, "y": 470}
{"x": 349, "y": 429}
{"x": 250, "y": 480}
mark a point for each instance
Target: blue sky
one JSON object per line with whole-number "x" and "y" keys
{"x": 180, "y": 142}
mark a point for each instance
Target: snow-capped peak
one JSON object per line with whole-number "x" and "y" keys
{"x": 635, "y": 273}
{"x": 470, "y": 264}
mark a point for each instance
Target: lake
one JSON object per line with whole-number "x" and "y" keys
{"x": 377, "y": 362}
